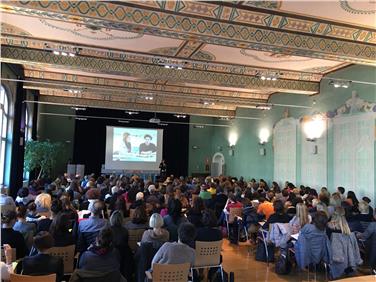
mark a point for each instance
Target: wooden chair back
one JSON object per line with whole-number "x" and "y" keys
{"x": 27, "y": 278}
{"x": 67, "y": 254}
{"x": 14, "y": 255}
{"x": 234, "y": 212}
{"x": 135, "y": 235}
{"x": 208, "y": 253}
{"x": 170, "y": 272}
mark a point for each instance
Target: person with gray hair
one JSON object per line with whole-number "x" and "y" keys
{"x": 89, "y": 228}
{"x": 157, "y": 235}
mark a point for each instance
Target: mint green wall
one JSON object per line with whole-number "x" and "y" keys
{"x": 202, "y": 139}
{"x": 57, "y": 129}
{"x": 247, "y": 162}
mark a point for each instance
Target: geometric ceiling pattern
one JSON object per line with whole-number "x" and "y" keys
{"x": 216, "y": 52}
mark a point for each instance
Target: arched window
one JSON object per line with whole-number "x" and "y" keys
{"x": 4, "y": 123}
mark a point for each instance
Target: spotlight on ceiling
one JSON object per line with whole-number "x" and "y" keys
{"x": 208, "y": 103}
{"x": 81, "y": 118}
{"x": 270, "y": 76}
{"x": 340, "y": 83}
{"x": 198, "y": 126}
{"x": 180, "y": 116}
{"x": 224, "y": 118}
{"x": 149, "y": 98}
{"x": 78, "y": 108}
{"x": 163, "y": 124}
{"x": 73, "y": 90}
{"x": 131, "y": 113}
{"x": 264, "y": 107}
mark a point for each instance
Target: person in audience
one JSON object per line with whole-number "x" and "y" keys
{"x": 279, "y": 215}
{"x": 352, "y": 200}
{"x": 139, "y": 220}
{"x": 209, "y": 230}
{"x": 101, "y": 256}
{"x": 157, "y": 235}
{"x": 32, "y": 215}
{"x": 120, "y": 243}
{"x": 265, "y": 208}
{"x": 174, "y": 218}
{"x": 24, "y": 197}
{"x": 368, "y": 201}
{"x": 341, "y": 192}
{"x": 204, "y": 194}
{"x": 27, "y": 229}
{"x": 6, "y": 202}
{"x": 338, "y": 223}
{"x": 43, "y": 224}
{"x": 300, "y": 219}
{"x": 89, "y": 228}
{"x": 43, "y": 205}
{"x": 194, "y": 214}
{"x": 10, "y": 236}
{"x": 43, "y": 263}
{"x": 60, "y": 230}
{"x": 178, "y": 252}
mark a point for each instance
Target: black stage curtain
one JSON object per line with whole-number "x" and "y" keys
{"x": 90, "y": 138}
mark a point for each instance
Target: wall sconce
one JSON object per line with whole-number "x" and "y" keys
{"x": 231, "y": 151}
{"x": 194, "y": 147}
{"x": 314, "y": 127}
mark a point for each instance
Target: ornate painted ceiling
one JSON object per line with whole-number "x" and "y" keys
{"x": 216, "y": 52}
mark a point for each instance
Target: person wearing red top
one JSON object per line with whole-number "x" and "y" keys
{"x": 232, "y": 203}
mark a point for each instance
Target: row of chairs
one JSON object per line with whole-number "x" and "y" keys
{"x": 207, "y": 255}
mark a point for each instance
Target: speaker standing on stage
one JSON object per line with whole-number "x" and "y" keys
{"x": 163, "y": 169}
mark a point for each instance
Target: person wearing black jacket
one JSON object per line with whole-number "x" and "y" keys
{"x": 43, "y": 263}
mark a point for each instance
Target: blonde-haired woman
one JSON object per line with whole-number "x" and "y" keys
{"x": 300, "y": 219}
{"x": 338, "y": 223}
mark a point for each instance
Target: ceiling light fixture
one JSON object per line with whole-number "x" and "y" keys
{"x": 264, "y": 107}
{"x": 340, "y": 83}
{"x": 81, "y": 118}
{"x": 198, "y": 126}
{"x": 149, "y": 98}
{"x": 180, "y": 116}
{"x": 131, "y": 113}
{"x": 270, "y": 76}
{"x": 74, "y": 91}
{"x": 78, "y": 108}
{"x": 208, "y": 103}
{"x": 224, "y": 118}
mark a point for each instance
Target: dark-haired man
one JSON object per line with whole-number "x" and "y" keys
{"x": 43, "y": 263}
{"x": 147, "y": 147}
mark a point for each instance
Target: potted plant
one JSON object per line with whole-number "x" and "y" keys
{"x": 41, "y": 156}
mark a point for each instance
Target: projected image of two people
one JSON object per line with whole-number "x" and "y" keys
{"x": 134, "y": 145}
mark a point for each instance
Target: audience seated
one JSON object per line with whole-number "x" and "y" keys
{"x": 43, "y": 263}
{"x": 194, "y": 214}
{"x": 178, "y": 252}
{"x": 76, "y": 215}
{"x": 60, "y": 230}
{"x": 88, "y": 229}
{"x": 139, "y": 220}
{"x": 209, "y": 230}
{"x": 10, "y": 236}
{"x": 120, "y": 243}
{"x": 174, "y": 218}
{"x": 101, "y": 256}
{"x": 27, "y": 229}
{"x": 157, "y": 235}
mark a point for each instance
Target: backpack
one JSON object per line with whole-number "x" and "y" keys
{"x": 261, "y": 253}
{"x": 283, "y": 265}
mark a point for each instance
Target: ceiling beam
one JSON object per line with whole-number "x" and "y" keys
{"x": 123, "y": 85}
{"x": 106, "y": 66}
{"x": 213, "y": 30}
{"x": 69, "y": 101}
{"x": 155, "y": 59}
